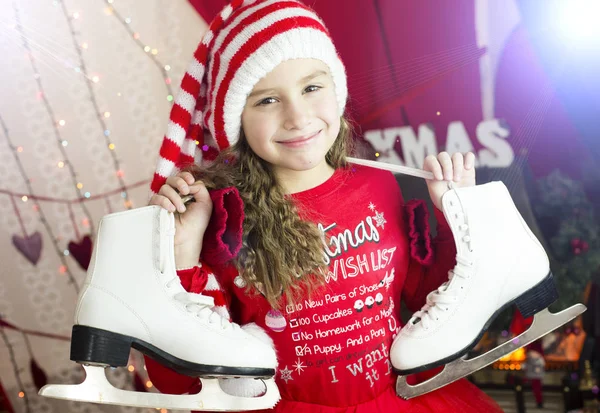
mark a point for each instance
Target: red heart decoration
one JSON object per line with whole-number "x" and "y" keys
{"x": 82, "y": 251}
{"x": 39, "y": 376}
{"x": 30, "y": 246}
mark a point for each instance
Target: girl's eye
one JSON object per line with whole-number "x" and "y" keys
{"x": 266, "y": 101}
{"x": 312, "y": 88}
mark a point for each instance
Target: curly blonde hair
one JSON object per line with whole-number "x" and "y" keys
{"x": 281, "y": 253}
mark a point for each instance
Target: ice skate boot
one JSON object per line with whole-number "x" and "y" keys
{"x": 132, "y": 297}
{"x": 499, "y": 262}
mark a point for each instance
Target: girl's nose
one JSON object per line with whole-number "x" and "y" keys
{"x": 296, "y": 116}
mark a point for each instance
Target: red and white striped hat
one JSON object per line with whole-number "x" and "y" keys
{"x": 247, "y": 40}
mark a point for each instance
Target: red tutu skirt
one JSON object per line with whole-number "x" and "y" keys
{"x": 460, "y": 396}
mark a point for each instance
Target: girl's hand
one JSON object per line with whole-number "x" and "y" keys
{"x": 456, "y": 168}
{"x": 191, "y": 220}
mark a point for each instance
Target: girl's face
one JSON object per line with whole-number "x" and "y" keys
{"x": 291, "y": 118}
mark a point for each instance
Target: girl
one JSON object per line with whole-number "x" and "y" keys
{"x": 326, "y": 249}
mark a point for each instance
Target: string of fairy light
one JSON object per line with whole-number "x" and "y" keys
{"x": 11, "y": 353}
{"x": 101, "y": 116}
{"x": 29, "y": 195}
{"x": 92, "y": 81}
{"x": 56, "y": 124}
{"x": 132, "y": 366}
{"x": 152, "y": 52}
{"x": 63, "y": 269}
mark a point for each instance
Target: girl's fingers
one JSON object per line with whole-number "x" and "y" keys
{"x": 432, "y": 165}
{"x": 163, "y": 202}
{"x": 199, "y": 191}
{"x": 187, "y": 177}
{"x": 458, "y": 165}
{"x": 178, "y": 183}
{"x": 446, "y": 163}
{"x": 469, "y": 160}
{"x": 173, "y": 196}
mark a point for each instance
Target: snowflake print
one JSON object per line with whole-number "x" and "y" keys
{"x": 371, "y": 207}
{"x": 379, "y": 219}
{"x": 286, "y": 374}
{"x": 299, "y": 367}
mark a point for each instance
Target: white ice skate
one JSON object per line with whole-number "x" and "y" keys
{"x": 132, "y": 297}
{"x": 499, "y": 262}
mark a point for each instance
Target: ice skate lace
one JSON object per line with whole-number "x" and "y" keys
{"x": 440, "y": 300}
{"x": 203, "y": 307}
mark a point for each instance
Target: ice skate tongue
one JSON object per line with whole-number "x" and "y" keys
{"x": 444, "y": 295}
{"x": 166, "y": 226}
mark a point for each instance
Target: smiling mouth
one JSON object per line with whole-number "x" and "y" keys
{"x": 300, "y": 141}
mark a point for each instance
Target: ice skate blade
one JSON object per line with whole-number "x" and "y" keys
{"x": 96, "y": 346}
{"x": 543, "y": 323}
{"x": 96, "y": 389}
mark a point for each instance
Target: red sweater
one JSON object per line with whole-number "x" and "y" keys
{"x": 333, "y": 348}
